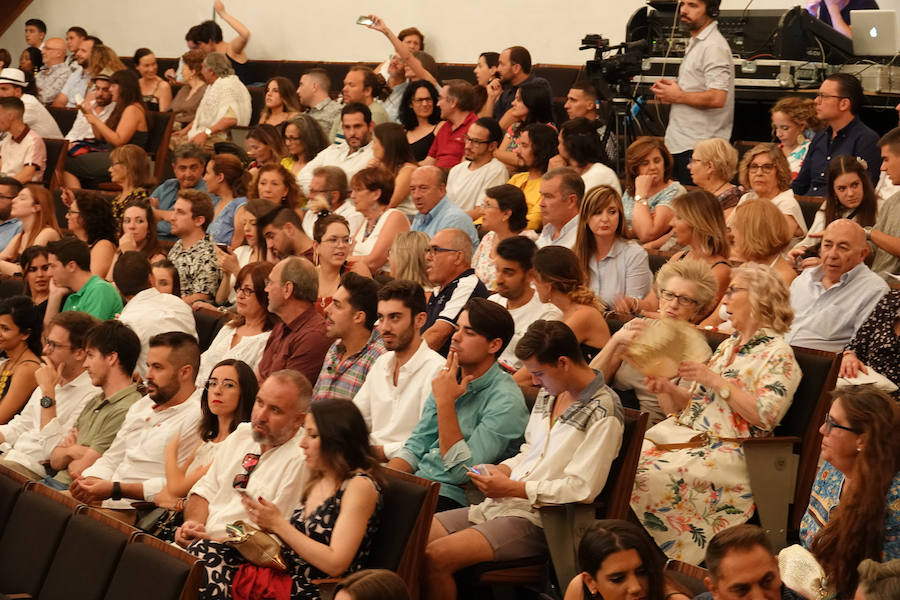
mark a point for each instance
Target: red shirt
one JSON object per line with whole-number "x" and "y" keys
{"x": 300, "y": 345}
{"x": 450, "y": 144}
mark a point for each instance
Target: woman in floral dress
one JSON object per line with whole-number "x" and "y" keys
{"x": 692, "y": 480}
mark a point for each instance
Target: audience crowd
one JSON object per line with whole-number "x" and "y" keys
{"x": 451, "y": 280}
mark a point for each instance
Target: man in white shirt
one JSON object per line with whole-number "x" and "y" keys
{"x": 101, "y": 105}
{"x": 23, "y": 155}
{"x": 148, "y": 311}
{"x": 37, "y": 117}
{"x": 561, "y": 192}
{"x": 351, "y": 155}
{"x": 262, "y": 458}
{"x": 573, "y": 436}
{"x": 467, "y": 181}
{"x": 133, "y": 468}
{"x": 399, "y": 381}
{"x": 514, "y": 292}
{"x": 330, "y": 191}
{"x": 831, "y": 301}
{"x": 64, "y": 387}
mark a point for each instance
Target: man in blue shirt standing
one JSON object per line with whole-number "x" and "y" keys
{"x": 838, "y": 103}
{"x": 9, "y": 189}
{"x": 188, "y": 163}
{"x": 475, "y": 414}
{"x": 428, "y": 189}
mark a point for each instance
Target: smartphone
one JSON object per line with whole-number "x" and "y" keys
{"x": 473, "y": 470}
{"x": 223, "y": 248}
{"x": 78, "y": 99}
{"x": 364, "y": 20}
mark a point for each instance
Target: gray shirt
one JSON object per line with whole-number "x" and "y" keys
{"x": 706, "y": 66}
{"x": 888, "y": 221}
{"x": 325, "y": 113}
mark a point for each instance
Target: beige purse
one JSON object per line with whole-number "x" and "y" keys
{"x": 258, "y": 547}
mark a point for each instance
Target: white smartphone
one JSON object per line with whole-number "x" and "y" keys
{"x": 364, "y": 20}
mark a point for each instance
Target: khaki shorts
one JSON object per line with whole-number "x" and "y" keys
{"x": 511, "y": 538}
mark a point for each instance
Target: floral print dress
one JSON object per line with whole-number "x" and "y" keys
{"x": 685, "y": 496}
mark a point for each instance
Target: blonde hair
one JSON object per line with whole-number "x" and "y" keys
{"x": 801, "y": 111}
{"x": 769, "y": 297}
{"x": 703, "y": 212}
{"x": 408, "y": 254}
{"x": 698, "y": 273}
{"x": 102, "y": 58}
{"x": 782, "y": 169}
{"x": 596, "y": 200}
{"x": 764, "y": 231}
{"x": 136, "y": 163}
{"x": 559, "y": 267}
{"x": 722, "y": 155}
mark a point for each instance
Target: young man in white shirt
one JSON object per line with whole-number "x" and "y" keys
{"x": 468, "y": 180}
{"x": 399, "y": 381}
{"x": 64, "y": 387}
{"x": 133, "y": 468}
{"x": 23, "y": 155}
{"x": 353, "y": 154}
{"x": 572, "y": 438}
{"x": 514, "y": 292}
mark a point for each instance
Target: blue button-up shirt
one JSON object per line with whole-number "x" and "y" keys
{"x": 855, "y": 139}
{"x": 492, "y": 417}
{"x": 445, "y": 215}
{"x": 8, "y": 230}
{"x": 166, "y": 192}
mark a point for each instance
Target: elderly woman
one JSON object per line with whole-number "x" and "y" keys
{"x": 713, "y": 165}
{"x": 765, "y": 172}
{"x": 225, "y": 104}
{"x": 876, "y": 344}
{"x": 854, "y": 507}
{"x": 692, "y": 480}
{"x": 616, "y": 266}
{"x": 686, "y": 291}
{"x": 371, "y": 190}
{"x": 649, "y": 188}
{"x": 504, "y": 214}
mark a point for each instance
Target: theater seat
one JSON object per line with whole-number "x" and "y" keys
{"x": 151, "y": 569}
{"x": 208, "y": 323}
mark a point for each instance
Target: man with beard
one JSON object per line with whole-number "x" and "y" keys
{"x": 468, "y": 180}
{"x": 702, "y": 97}
{"x": 329, "y": 192}
{"x": 394, "y": 393}
{"x": 9, "y": 189}
{"x": 101, "y": 106}
{"x": 262, "y": 458}
{"x": 353, "y": 154}
{"x": 284, "y": 235}
{"x": 111, "y": 350}
{"x": 77, "y": 83}
{"x": 134, "y": 466}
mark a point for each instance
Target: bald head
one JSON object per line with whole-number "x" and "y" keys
{"x": 54, "y": 51}
{"x": 450, "y": 256}
{"x": 843, "y": 248}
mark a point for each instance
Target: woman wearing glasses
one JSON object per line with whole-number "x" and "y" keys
{"x": 854, "y": 508}
{"x": 331, "y": 246}
{"x": 765, "y": 172}
{"x": 227, "y": 401}
{"x": 686, "y": 290}
{"x": 303, "y": 140}
{"x": 692, "y": 480}
{"x": 244, "y": 337}
{"x": 419, "y": 113}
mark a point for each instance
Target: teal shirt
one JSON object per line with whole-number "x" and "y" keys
{"x": 96, "y": 297}
{"x": 492, "y": 417}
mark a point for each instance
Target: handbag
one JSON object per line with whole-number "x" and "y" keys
{"x": 258, "y": 547}
{"x": 153, "y": 519}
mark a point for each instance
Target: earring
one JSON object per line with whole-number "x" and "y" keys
{"x": 858, "y": 449}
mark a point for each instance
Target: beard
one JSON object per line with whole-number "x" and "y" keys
{"x": 161, "y": 394}
{"x": 4, "y": 213}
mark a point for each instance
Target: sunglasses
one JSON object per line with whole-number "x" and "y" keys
{"x": 248, "y": 464}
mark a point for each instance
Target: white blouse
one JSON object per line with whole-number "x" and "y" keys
{"x": 249, "y": 350}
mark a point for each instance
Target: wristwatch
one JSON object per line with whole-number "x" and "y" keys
{"x": 640, "y": 200}
{"x": 868, "y": 231}
{"x": 724, "y": 393}
{"x": 207, "y": 131}
{"x": 116, "y": 491}
{"x": 47, "y": 402}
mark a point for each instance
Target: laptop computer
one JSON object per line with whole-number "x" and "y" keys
{"x": 874, "y": 32}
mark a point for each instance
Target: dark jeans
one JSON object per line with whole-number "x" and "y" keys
{"x": 681, "y": 171}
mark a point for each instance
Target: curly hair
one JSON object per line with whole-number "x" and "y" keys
{"x": 312, "y": 138}
{"x": 96, "y": 216}
{"x": 638, "y": 152}
{"x": 406, "y": 116}
{"x": 293, "y": 199}
{"x": 799, "y": 110}
{"x": 769, "y": 297}
{"x": 151, "y": 245}
{"x": 720, "y": 154}
{"x": 782, "y": 169}
{"x": 855, "y": 529}
{"x": 559, "y": 267}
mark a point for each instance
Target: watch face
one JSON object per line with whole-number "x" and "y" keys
{"x": 46, "y": 402}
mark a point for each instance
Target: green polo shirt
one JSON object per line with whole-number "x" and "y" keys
{"x": 96, "y": 297}
{"x": 100, "y": 420}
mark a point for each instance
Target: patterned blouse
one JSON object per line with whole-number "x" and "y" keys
{"x": 119, "y": 203}
{"x": 826, "y": 496}
{"x": 876, "y": 343}
{"x": 663, "y": 197}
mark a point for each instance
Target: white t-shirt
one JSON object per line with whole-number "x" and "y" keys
{"x": 524, "y": 316}
{"x": 151, "y": 312}
{"x": 465, "y": 187}
{"x": 346, "y": 210}
{"x": 600, "y": 174}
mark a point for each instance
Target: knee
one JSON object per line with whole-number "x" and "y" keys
{"x": 437, "y": 557}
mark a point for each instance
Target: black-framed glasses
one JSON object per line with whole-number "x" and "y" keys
{"x": 474, "y": 141}
{"x": 830, "y": 424}
{"x": 432, "y": 250}
{"x": 682, "y": 300}
{"x": 248, "y": 464}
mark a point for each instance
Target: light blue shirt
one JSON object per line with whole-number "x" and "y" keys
{"x": 828, "y": 319}
{"x": 445, "y": 215}
{"x": 222, "y": 227}
{"x": 624, "y": 271}
{"x": 8, "y": 230}
{"x": 76, "y": 85}
{"x": 492, "y": 417}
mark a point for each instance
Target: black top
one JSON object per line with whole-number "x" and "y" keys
{"x": 421, "y": 147}
{"x": 242, "y": 70}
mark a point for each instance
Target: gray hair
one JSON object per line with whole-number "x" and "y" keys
{"x": 219, "y": 64}
{"x": 300, "y": 383}
{"x": 189, "y": 150}
{"x": 460, "y": 240}
{"x": 302, "y": 274}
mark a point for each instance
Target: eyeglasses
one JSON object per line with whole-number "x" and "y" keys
{"x": 830, "y": 424}
{"x": 51, "y": 345}
{"x": 766, "y": 168}
{"x": 334, "y": 241}
{"x": 731, "y": 289}
{"x": 474, "y": 141}
{"x": 292, "y": 138}
{"x": 821, "y": 96}
{"x": 428, "y": 100}
{"x": 682, "y": 300}
{"x": 432, "y": 250}
{"x": 248, "y": 464}
{"x": 226, "y": 384}
{"x": 244, "y": 291}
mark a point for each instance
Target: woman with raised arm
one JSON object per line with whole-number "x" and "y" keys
{"x": 208, "y": 37}
{"x": 403, "y": 51}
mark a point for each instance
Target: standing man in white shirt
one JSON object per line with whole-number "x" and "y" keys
{"x": 399, "y": 381}
{"x": 64, "y": 387}
{"x": 133, "y": 468}
{"x": 147, "y": 310}
{"x": 353, "y": 154}
{"x": 702, "y": 97}
{"x": 467, "y": 181}
{"x": 561, "y": 192}
{"x": 514, "y": 261}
